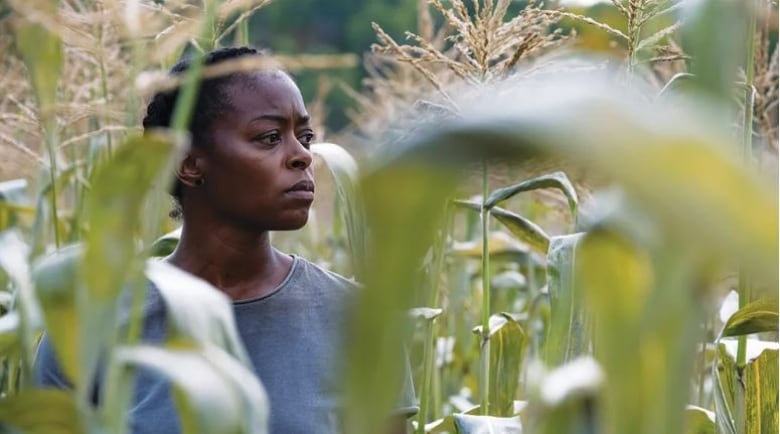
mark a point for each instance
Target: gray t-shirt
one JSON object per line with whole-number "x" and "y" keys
{"x": 293, "y": 337}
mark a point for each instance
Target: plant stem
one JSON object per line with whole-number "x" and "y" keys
{"x": 745, "y": 285}
{"x": 485, "y": 338}
{"x": 426, "y": 383}
{"x": 51, "y": 142}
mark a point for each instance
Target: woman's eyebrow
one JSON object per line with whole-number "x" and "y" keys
{"x": 282, "y": 119}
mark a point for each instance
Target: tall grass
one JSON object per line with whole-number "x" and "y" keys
{"x": 544, "y": 304}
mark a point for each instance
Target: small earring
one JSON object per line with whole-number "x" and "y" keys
{"x": 200, "y": 181}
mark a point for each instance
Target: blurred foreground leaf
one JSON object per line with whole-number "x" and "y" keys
{"x": 40, "y": 412}
{"x": 344, "y": 170}
{"x": 56, "y": 284}
{"x": 213, "y": 392}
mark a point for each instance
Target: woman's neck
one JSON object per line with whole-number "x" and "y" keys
{"x": 241, "y": 264}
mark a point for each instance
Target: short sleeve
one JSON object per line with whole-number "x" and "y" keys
{"x": 407, "y": 401}
{"x": 47, "y": 372}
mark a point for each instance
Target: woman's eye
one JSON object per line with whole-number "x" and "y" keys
{"x": 306, "y": 139}
{"x": 270, "y": 139}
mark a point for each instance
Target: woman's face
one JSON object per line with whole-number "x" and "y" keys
{"x": 257, "y": 169}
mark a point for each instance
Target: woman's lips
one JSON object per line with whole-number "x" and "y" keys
{"x": 303, "y": 190}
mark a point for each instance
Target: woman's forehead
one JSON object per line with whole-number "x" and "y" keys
{"x": 267, "y": 92}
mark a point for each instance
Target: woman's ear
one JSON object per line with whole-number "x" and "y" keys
{"x": 191, "y": 172}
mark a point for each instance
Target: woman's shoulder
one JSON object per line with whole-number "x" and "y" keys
{"x": 318, "y": 275}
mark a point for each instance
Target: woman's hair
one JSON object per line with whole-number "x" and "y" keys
{"x": 212, "y": 101}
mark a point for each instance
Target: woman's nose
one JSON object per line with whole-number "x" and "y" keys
{"x": 300, "y": 156}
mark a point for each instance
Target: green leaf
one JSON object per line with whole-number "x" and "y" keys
{"x": 166, "y": 244}
{"x": 699, "y": 420}
{"x": 13, "y": 261}
{"x": 42, "y": 53}
{"x": 9, "y": 333}
{"x": 732, "y": 220}
{"x": 677, "y": 84}
{"x": 566, "y": 399}
{"x": 344, "y": 171}
{"x": 746, "y": 399}
{"x": 41, "y": 412}
{"x": 758, "y": 316}
{"x": 716, "y": 65}
{"x": 426, "y": 313}
{"x": 500, "y": 246}
{"x": 508, "y": 343}
{"x": 569, "y": 333}
{"x": 469, "y": 424}
{"x": 519, "y": 226}
{"x": 56, "y": 278}
{"x": 197, "y": 311}
{"x": 522, "y": 228}
{"x": 761, "y": 392}
{"x": 213, "y": 392}
{"x": 557, "y": 180}
{"x": 114, "y": 206}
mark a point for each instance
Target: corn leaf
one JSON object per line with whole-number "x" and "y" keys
{"x": 758, "y": 316}
{"x": 564, "y": 400}
{"x": 734, "y": 219}
{"x": 471, "y": 424}
{"x": 42, "y": 53}
{"x": 197, "y": 311}
{"x": 56, "y": 284}
{"x": 213, "y": 392}
{"x": 41, "y": 412}
{"x": 761, "y": 392}
{"x": 523, "y": 229}
{"x": 13, "y": 261}
{"x": 166, "y": 244}
{"x": 557, "y": 180}
{"x": 699, "y": 420}
{"x": 508, "y": 342}
{"x": 569, "y": 333}
{"x": 9, "y": 333}
{"x": 344, "y": 171}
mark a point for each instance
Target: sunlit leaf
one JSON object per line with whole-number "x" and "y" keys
{"x": 471, "y": 424}
{"x": 426, "y": 313}
{"x": 344, "y": 170}
{"x": 216, "y": 394}
{"x": 557, "y": 180}
{"x": 56, "y": 284}
{"x": 523, "y": 229}
{"x": 196, "y": 310}
{"x": 113, "y": 206}
{"x": 566, "y": 398}
{"x": 508, "y": 343}
{"x": 166, "y": 244}
{"x": 500, "y": 246}
{"x": 13, "y": 261}
{"x": 519, "y": 226}
{"x": 41, "y": 412}
{"x": 569, "y": 333}
{"x": 761, "y": 393}
{"x": 699, "y": 420}
{"x": 9, "y": 332}
{"x": 758, "y": 316}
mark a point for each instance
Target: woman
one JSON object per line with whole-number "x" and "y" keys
{"x": 247, "y": 173}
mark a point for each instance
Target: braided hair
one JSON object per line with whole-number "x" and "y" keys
{"x": 212, "y": 101}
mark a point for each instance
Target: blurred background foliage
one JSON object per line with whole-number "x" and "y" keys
{"x": 576, "y": 204}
